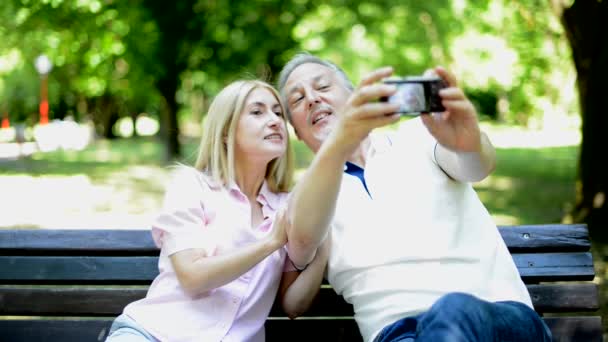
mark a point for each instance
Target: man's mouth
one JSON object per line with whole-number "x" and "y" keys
{"x": 320, "y": 115}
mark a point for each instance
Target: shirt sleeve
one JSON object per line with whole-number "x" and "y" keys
{"x": 182, "y": 222}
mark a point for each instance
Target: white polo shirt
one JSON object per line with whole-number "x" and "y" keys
{"x": 417, "y": 236}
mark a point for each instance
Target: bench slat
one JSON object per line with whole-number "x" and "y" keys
{"x": 101, "y": 270}
{"x": 557, "y": 237}
{"x": 87, "y": 241}
{"x": 76, "y": 330}
{"x": 62, "y": 301}
{"x": 93, "y": 301}
{"x": 555, "y": 266}
{"x": 25, "y": 330}
{"x": 564, "y": 297}
{"x": 57, "y": 269}
{"x": 546, "y": 238}
{"x": 588, "y": 329}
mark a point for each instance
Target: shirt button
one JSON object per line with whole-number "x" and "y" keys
{"x": 235, "y": 300}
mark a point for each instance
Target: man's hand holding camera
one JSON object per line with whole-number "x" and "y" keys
{"x": 463, "y": 151}
{"x": 362, "y": 113}
{"x": 457, "y": 128}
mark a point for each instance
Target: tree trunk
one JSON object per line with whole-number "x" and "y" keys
{"x": 169, "y": 125}
{"x": 173, "y": 36}
{"x": 105, "y": 115}
{"x": 587, "y": 31}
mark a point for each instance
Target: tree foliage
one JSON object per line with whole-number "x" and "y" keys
{"x": 120, "y": 58}
{"x": 510, "y": 55}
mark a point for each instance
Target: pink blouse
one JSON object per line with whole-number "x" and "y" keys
{"x": 197, "y": 213}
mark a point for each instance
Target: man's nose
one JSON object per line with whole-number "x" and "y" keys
{"x": 313, "y": 98}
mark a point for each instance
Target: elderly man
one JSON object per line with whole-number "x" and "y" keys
{"x": 412, "y": 247}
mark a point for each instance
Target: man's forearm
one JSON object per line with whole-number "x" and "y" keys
{"x": 312, "y": 204}
{"x": 468, "y": 166}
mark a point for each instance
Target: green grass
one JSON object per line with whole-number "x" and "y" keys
{"x": 531, "y": 186}
{"x": 98, "y": 161}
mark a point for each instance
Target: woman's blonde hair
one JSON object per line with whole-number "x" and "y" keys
{"x": 216, "y": 151}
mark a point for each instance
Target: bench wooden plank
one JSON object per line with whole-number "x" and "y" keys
{"x": 535, "y": 267}
{"x": 546, "y": 238}
{"x": 67, "y": 301}
{"x": 78, "y": 241}
{"x": 334, "y": 329}
{"x": 540, "y": 238}
{"x": 68, "y": 330}
{"x": 59, "y": 269}
{"x": 564, "y": 297}
{"x": 562, "y": 328}
{"x": 110, "y": 301}
{"x": 588, "y": 329}
{"x": 56, "y": 269}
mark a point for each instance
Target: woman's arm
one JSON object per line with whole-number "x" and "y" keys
{"x": 197, "y": 272}
{"x": 298, "y": 290}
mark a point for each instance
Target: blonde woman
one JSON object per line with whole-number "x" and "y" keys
{"x": 222, "y": 232}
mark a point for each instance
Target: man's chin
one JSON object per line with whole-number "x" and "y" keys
{"x": 321, "y": 136}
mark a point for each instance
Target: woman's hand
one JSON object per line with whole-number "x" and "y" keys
{"x": 278, "y": 236}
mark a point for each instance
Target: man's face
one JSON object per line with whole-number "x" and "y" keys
{"x": 314, "y": 94}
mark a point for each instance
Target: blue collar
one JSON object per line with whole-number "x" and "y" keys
{"x": 357, "y": 171}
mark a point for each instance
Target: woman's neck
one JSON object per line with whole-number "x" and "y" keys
{"x": 249, "y": 177}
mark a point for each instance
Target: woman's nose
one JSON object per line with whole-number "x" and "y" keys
{"x": 274, "y": 120}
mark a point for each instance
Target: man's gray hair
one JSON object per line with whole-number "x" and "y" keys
{"x": 305, "y": 58}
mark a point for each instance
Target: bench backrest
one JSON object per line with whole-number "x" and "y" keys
{"x": 64, "y": 285}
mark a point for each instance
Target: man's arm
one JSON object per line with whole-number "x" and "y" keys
{"x": 299, "y": 289}
{"x": 468, "y": 166}
{"x": 462, "y": 151}
{"x": 313, "y": 200}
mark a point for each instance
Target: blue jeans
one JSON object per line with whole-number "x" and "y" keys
{"x": 463, "y": 317}
{"x": 124, "y": 329}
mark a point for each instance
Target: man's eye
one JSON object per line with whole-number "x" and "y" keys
{"x": 323, "y": 87}
{"x": 298, "y": 99}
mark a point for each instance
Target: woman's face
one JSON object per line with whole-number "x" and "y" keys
{"x": 261, "y": 133}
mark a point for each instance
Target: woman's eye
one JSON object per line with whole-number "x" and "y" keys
{"x": 256, "y": 112}
{"x": 323, "y": 87}
{"x": 280, "y": 114}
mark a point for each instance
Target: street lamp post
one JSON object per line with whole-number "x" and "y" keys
{"x": 43, "y": 66}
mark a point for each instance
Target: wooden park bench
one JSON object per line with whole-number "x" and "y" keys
{"x": 68, "y": 285}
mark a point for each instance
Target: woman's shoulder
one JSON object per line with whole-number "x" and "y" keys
{"x": 184, "y": 176}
